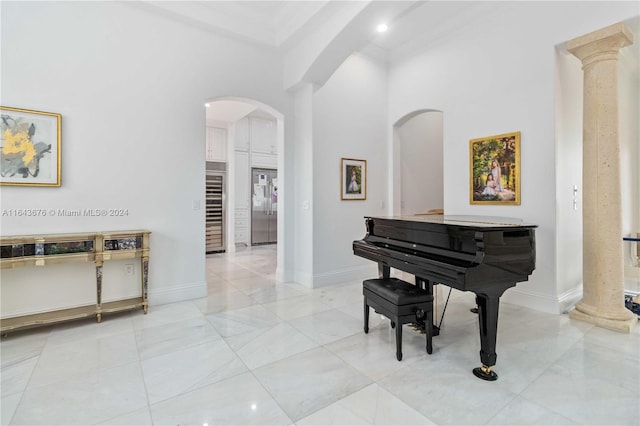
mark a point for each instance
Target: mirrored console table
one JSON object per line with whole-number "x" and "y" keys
{"x": 42, "y": 250}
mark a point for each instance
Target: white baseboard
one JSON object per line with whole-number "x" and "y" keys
{"x": 532, "y": 300}
{"x": 284, "y": 275}
{"x": 569, "y": 298}
{"x": 178, "y": 293}
{"x": 303, "y": 278}
{"x": 335, "y": 277}
{"x": 344, "y": 275}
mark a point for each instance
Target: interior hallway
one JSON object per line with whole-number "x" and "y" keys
{"x": 258, "y": 352}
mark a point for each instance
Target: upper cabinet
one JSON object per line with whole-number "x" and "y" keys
{"x": 216, "y": 144}
{"x": 263, "y": 135}
{"x": 242, "y": 135}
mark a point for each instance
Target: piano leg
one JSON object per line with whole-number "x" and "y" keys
{"x": 398, "y": 341}
{"x": 488, "y": 320}
{"x": 366, "y": 316}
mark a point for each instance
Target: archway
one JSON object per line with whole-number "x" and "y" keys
{"x": 239, "y": 107}
{"x": 418, "y": 179}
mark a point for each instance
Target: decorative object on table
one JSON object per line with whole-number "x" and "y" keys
{"x": 353, "y": 178}
{"x": 30, "y": 147}
{"x": 495, "y": 169}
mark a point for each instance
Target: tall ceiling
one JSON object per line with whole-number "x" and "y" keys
{"x": 269, "y": 23}
{"x": 329, "y": 29}
{"x": 286, "y": 26}
{"x": 281, "y": 24}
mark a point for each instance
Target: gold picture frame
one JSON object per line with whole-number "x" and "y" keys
{"x": 353, "y": 178}
{"x": 29, "y": 147}
{"x": 494, "y": 172}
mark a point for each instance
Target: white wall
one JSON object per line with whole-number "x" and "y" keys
{"x": 304, "y": 204}
{"x": 131, "y": 87}
{"x": 629, "y": 92}
{"x": 569, "y": 93}
{"x": 420, "y": 140}
{"x": 349, "y": 121}
{"x": 629, "y": 111}
{"x": 496, "y": 75}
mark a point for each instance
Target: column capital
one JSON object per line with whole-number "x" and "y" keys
{"x": 602, "y": 44}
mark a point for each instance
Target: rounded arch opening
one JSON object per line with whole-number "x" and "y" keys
{"x": 417, "y": 162}
{"x": 231, "y": 109}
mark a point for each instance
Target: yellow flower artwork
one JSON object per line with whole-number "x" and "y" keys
{"x": 30, "y": 147}
{"x": 18, "y": 143}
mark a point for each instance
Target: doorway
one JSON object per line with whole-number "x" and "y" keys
{"x": 242, "y": 117}
{"x": 418, "y": 163}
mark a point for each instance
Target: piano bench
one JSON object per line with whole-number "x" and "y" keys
{"x": 402, "y": 303}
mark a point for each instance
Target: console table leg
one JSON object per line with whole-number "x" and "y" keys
{"x": 99, "y": 290}
{"x": 145, "y": 283}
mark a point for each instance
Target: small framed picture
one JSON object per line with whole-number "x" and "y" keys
{"x": 495, "y": 170}
{"x": 353, "y": 178}
{"x": 30, "y": 144}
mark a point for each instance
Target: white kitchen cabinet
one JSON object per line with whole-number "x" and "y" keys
{"x": 263, "y": 135}
{"x": 241, "y": 142}
{"x": 216, "y": 144}
{"x": 242, "y": 183}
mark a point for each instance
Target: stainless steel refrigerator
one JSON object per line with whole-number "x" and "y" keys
{"x": 264, "y": 202}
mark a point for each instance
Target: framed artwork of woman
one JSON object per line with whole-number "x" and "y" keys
{"x": 495, "y": 169}
{"x": 353, "y": 177}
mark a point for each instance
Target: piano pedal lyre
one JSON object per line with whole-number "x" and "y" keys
{"x": 417, "y": 327}
{"x": 485, "y": 373}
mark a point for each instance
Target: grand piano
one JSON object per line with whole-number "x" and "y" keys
{"x": 470, "y": 253}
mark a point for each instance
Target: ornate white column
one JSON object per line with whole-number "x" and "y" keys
{"x": 603, "y": 265}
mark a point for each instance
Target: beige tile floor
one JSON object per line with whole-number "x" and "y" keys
{"x": 259, "y": 352}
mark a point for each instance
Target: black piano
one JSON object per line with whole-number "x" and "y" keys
{"x": 470, "y": 253}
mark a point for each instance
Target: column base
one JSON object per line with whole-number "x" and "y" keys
{"x": 623, "y": 325}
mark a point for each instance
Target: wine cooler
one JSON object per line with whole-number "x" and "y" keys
{"x": 215, "y": 214}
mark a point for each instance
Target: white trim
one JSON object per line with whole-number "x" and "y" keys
{"x": 284, "y": 275}
{"x": 530, "y": 300}
{"x": 178, "y": 293}
{"x": 568, "y": 299}
{"x": 303, "y": 278}
{"x": 344, "y": 275}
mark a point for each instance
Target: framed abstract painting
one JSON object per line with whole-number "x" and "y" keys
{"x": 30, "y": 147}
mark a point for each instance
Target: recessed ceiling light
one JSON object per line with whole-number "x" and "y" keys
{"x": 382, "y": 28}
{"x": 207, "y": 105}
